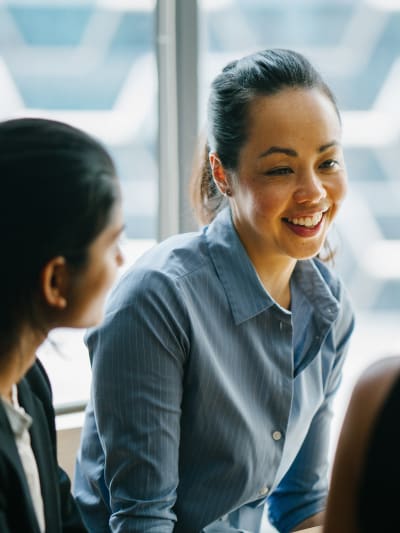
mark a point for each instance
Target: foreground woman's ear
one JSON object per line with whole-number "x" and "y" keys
{"x": 54, "y": 281}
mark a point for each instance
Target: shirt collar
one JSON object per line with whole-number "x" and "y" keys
{"x": 17, "y": 416}
{"x": 246, "y": 295}
{"x": 312, "y": 281}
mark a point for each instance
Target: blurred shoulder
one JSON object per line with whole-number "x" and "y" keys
{"x": 373, "y": 386}
{"x": 367, "y": 399}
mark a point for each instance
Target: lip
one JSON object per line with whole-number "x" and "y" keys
{"x": 304, "y": 231}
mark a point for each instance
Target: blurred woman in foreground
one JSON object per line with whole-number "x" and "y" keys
{"x": 60, "y": 218}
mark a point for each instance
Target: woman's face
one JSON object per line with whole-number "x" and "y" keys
{"x": 291, "y": 176}
{"x": 89, "y": 287}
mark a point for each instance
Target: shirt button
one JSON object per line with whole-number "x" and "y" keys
{"x": 264, "y": 491}
{"x": 277, "y": 435}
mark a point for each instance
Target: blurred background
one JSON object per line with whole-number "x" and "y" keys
{"x": 136, "y": 73}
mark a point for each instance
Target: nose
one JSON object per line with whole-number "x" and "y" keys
{"x": 310, "y": 188}
{"x": 119, "y": 258}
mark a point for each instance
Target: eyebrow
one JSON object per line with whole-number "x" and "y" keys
{"x": 328, "y": 145}
{"x": 292, "y": 153}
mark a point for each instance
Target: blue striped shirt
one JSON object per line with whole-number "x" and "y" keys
{"x": 207, "y": 396}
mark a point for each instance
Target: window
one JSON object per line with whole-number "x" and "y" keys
{"x": 91, "y": 64}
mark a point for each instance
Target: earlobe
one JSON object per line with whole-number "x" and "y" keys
{"x": 219, "y": 174}
{"x": 54, "y": 282}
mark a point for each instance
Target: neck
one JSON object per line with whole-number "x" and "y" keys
{"x": 275, "y": 274}
{"x": 5, "y": 385}
{"x": 277, "y": 284}
{"x": 17, "y": 361}
{"x": 273, "y": 269}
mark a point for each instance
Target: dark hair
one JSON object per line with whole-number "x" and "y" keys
{"x": 260, "y": 74}
{"x": 58, "y": 188}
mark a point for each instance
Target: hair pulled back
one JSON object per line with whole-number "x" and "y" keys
{"x": 58, "y": 188}
{"x": 263, "y": 73}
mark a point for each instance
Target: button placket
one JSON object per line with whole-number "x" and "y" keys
{"x": 276, "y": 435}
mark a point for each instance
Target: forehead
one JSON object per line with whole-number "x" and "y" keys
{"x": 293, "y": 115}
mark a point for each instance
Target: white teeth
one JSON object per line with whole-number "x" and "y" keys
{"x": 309, "y": 222}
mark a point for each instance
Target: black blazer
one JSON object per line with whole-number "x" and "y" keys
{"x": 16, "y": 510}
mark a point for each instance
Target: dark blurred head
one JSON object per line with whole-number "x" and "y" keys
{"x": 58, "y": 189}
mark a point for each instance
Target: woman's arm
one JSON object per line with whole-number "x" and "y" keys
{"x": 312, "y": 521}
{"x": 138, "y": 359}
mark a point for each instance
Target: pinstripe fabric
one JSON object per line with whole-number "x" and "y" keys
{"x": 205, "y": 392}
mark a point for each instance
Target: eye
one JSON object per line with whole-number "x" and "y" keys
{"x": 330, "y": 164}
{"x": 279, "y": 171}
{"x": 119, "y": 242}
{"x": 122, "y": 240}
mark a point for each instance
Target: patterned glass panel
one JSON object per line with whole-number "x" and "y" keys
{"x": 91, "y": 64}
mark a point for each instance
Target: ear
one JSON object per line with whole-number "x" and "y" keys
{"x": 54, "y": 280}
{"x": 220, "y": 175}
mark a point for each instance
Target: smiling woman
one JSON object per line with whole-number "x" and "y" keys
{"x": 287, "y": 187}
{"x": 216, "y": 367}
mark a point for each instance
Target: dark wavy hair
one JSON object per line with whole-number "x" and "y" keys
{"x": 58, "y": 188}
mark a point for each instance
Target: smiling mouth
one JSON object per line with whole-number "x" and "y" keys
{"x": 307, "y": 222}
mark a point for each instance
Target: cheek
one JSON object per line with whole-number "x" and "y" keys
{"x": 106, "y": 278}
{"x": 270, "y": 202}
{"x": 102, "y": 281}
{"x": 337, "y": 192}
{"x": 97, "y": 293}
{"x": 339, "y": 188}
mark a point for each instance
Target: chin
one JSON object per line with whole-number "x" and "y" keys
{"x": 307, "y": 254}
{"x": 90, "y": 316}
{"x": 28, "y": 363}
{"x": 310, "y": 251}
{"x": 95, "y": 320}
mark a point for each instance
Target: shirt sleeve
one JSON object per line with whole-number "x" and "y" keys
{"x": 303, "y": 490}
{"x": 138, "y": 359}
